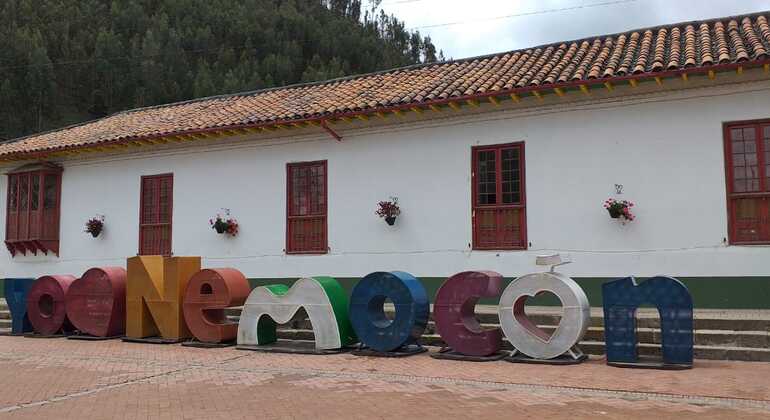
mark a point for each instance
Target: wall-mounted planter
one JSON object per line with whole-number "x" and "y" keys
{"x": 95, "y": 225}
{"x": 224, "y": 224}
{"x": 388, "y": 210}
{"x": 619, "y": 209}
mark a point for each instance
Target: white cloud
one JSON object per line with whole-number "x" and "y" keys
{"x": 483, "y": 34}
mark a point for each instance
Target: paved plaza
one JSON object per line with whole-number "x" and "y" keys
{"x": 68, "y": 379}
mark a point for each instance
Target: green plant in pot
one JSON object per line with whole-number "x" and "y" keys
{"x": 619, "y": 209}
{"x": 224, "y": 224}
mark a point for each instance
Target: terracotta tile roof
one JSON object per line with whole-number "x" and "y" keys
{"x": 685, "y": 47}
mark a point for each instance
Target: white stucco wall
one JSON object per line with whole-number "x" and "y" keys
{"x": 666, "y": 149}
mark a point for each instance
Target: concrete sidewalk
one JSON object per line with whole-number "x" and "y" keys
{"x": 59, "y": 378}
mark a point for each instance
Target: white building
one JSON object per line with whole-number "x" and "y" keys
{"x": 676, "y": 118}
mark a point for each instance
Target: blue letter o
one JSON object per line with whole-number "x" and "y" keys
{"x": 367, "y": 312}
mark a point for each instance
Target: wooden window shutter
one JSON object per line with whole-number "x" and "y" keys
{"x": 306, "y": 209}
{"x": 499, "y": 201}
{"x": 32, "y": 221}
{"x": 747, "y": 160}
{"x": 155, "y": 214}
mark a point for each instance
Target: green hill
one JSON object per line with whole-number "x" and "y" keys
{"x": 68, "y": 61}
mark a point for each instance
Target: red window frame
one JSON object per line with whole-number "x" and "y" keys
{"x": 155, "y": 234}
{"x": 747, "y": 194}
{"x": 36, "y": 226}
{"x": 306, "y": 227}
{"x": 494, "y": 224}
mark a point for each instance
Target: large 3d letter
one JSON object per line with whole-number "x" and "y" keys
{"x": 525, "y": 336}
{"x": 209, "y": 293}
{"x": 154, "y": 295}
{"x": 671, "y": 297}
{"x": 455, "y": 316}
{"x": 96, "y": 302}
{"x": 367, "y": 312}
{"x": 323, "y": 298}
{"x": 16, "y": 291}
{"x": 46, "y": 306}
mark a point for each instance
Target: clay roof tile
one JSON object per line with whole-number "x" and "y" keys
{"x": 736, "y": 41}
{"x": 614, "y": 59}
{"x": 644, "y": 53}
{"x": 628, "y": 57}
{"x": 582, "y": 68}
{"x": 675, "y": 49}
{"x": 706, "y": 46}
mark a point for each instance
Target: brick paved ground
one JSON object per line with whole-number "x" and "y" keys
{"x": 58, "y": 378}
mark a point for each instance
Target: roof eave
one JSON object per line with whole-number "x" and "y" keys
{"x": 321, "y": 120}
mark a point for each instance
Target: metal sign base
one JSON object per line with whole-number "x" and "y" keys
{"x": 87, "y": 337}
{"x": 37, "y": 335}
{"x": 573, "y": 357}
{"x": 447, "y": 353}
{"x": 651, "y": 363}
{"x": 205, "y": 345}
{"x": 153, "y": 340}
{"x": 403, "y": 351}
{"x": 292, "y": 347}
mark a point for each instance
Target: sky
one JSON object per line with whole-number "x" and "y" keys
{"x": 476, "y": 27}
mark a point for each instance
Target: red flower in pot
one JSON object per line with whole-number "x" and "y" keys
{"x": 95, "y": 225}
{"x": 389, "y": 210}
{"x": 619, "y": 209}
{"x": 225, "y": 224}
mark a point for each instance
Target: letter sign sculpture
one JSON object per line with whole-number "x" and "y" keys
{"x": 46, "y": 306}
{"x": 621, "y": 299}
{"x": 525, "y": 336}
{"x": 96, "y": 302}
{"x": 455, "y": 317}
{"x": 16, "y": 291}
{"x": 324, "y": 300}
{"x": 154, "y": 292}
{"x": 209, "y": 293}
{"x": 367, "y": 312}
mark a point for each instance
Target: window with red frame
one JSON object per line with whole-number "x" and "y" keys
{"x": 747, "y": 154}
{"x": 499, "y": 204}
{"x": 306, "y": 208}
{"x": 156, "y": 207}
{"x": 33, "y": 209}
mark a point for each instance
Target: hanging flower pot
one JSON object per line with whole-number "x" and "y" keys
{"x": 95, "y": 225}
{"x": 389, "y": 210}
{"x": 619, "y": 209}
{"x": 225, "y": 224}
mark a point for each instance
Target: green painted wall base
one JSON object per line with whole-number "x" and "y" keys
{"x": 707, "y": 292}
